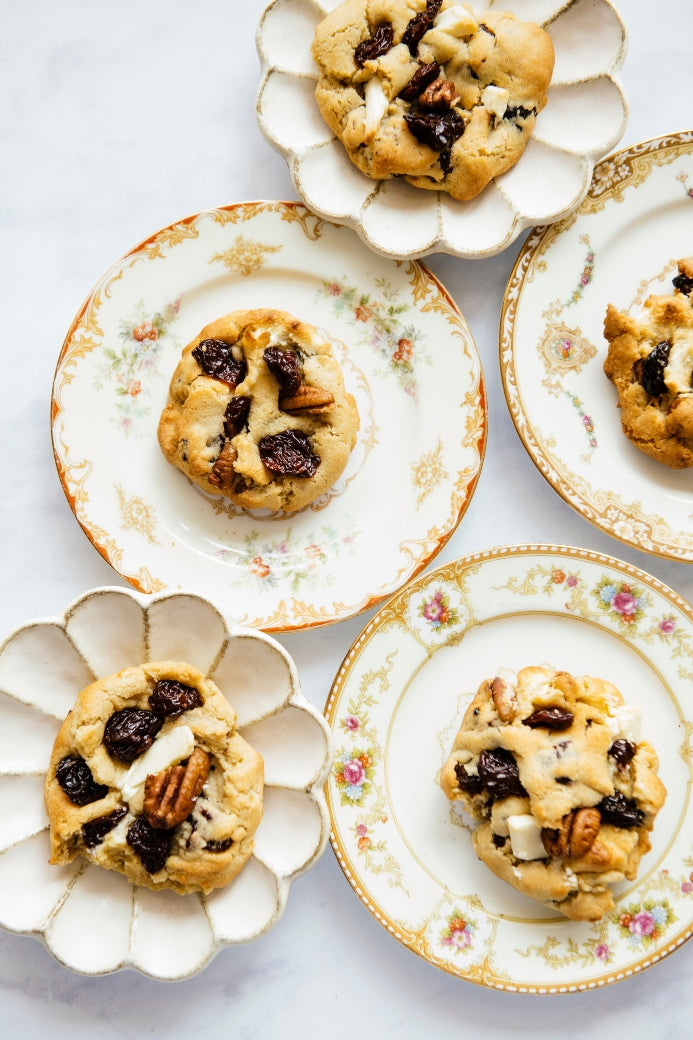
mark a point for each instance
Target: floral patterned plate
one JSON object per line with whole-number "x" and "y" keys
{"x": 395, "y": 706}
{"x": 410, "y": 476}
{"x": 620, "y": 245}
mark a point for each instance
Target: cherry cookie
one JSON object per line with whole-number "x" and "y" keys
{"x": 428, "y": 91}
{"x": 257, "y": 411}
{"x": 566, "y": 792}
{"x": 149, "y": 777}
{"x": 650, "y": 362}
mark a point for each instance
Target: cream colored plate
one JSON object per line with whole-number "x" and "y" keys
{"x": 584, "y": 117}
{"x": 395, "y": 706}
{"x": 93, "y": 920}
{"x": 407, "y": 356}
{"x": 621, "y": 244}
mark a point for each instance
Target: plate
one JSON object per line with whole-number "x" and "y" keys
{"x": 407, "y": 356}
{"x": 396, "y": 705}
{"x": 620, "y": 245}
{"x": 584, "y": 118}
{"x": 93, "y": 920}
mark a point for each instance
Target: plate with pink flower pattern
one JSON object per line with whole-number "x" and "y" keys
{"x": 620, "y": 245}
{"x": 394, "y": 709}
{"x": 420, "y": 444}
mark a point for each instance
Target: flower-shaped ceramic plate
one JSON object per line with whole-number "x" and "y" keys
{"x": 92, "y": 920}
{"x": 621, "y": 244}
{"x": 407, "y": 356}
{"x": 396, "y": 705}
{"x": 584, "y": 118}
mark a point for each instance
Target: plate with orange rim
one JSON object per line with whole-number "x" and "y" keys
{"x": 394, "y": 709}
{"x": 619, "y": 246}
{"x": 410, "y": 476}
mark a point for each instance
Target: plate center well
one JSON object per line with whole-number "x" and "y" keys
{"x": 430, "y": 710}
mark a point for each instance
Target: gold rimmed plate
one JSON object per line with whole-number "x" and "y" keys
{"x": 621, "y": 245}
{"x": 407, "y": 356}
{"x": 395, "y": 706}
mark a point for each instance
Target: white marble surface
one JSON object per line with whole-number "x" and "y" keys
{"x": 118, "y": 118}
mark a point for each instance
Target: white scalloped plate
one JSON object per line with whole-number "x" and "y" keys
{"x": 620, "y": 245}
{"x": 396, "y": 705}
{"x": 407, "y": 356}
{"x": 92, "y": 920}
{"x": 585, "y": 116}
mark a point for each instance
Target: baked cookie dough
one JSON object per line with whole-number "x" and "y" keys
{"x": 566, "y": 791}
{"x": 650, "y": 362}
{"x": 428, "y": 91}
{"x": 149, "y": 777}
{"x": 257, "y": 411}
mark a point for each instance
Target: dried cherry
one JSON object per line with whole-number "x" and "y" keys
{"x": 650, "y": 371}
{"x": 289, "y": 452}
{"x": 152, "y": 846}
{"x": 215, "y": 358}
{"x": 622, "y": 751}
{"x": 94, "y": 831}
{"x": 424, "y": 75}
{"x": 620, "y": 811}
{"x": 515, "y": 112}
{"x": 439, "y": 130}
{"x": 549, "y": 718}
{"x": 285, "y": 367}
{"x": 499, "y": 773}
{"x": 683, "y": 283}
{"x": 467, "y": 781}
{"x": 75, "y": 778}
{"x": 379, "y": 43}
{"x": 445, "y": 160}
{"x": 129, "y": 732}
{"x": 236, "y": 415}
{"x": 170, "y": 698}
{"x": 219, "y": 846}
{"x": 420, "y": 24}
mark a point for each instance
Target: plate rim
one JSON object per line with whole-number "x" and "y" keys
{"x": 537, "y": 242}
{"x": 277, "y": 206}
{"x": 461, "y": 565}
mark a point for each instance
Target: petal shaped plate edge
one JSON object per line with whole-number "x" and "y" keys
{"x": 446, "y": 223}
{"x": 313, "y": 791}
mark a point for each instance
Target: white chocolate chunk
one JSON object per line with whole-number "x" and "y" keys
{"x": 118, "y": 836}
{"x": 525, "y": 837}
{"x": 376, "y": 107}
{"x": 495, "y": 100}
{"x": 625, "y": 723}
{"x": 166, "y": 751}
{"x": 679, "y": 368}
{"x": 457, "y": 21}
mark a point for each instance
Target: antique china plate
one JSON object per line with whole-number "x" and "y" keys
{"x": 585, "y": 116}
{"x": 620, "y": 245}
{"x": 93, "y": 920}
{"x": 407, "y": 356}
{"x": 395, "y": 706}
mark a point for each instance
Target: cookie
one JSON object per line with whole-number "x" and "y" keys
{"x": 149, "y": 777}
{"x": 650, "y": 362}
{"x": 257, "y": 411}
{"x": 428, "y": 91}
{"x": 564, "y": 789}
